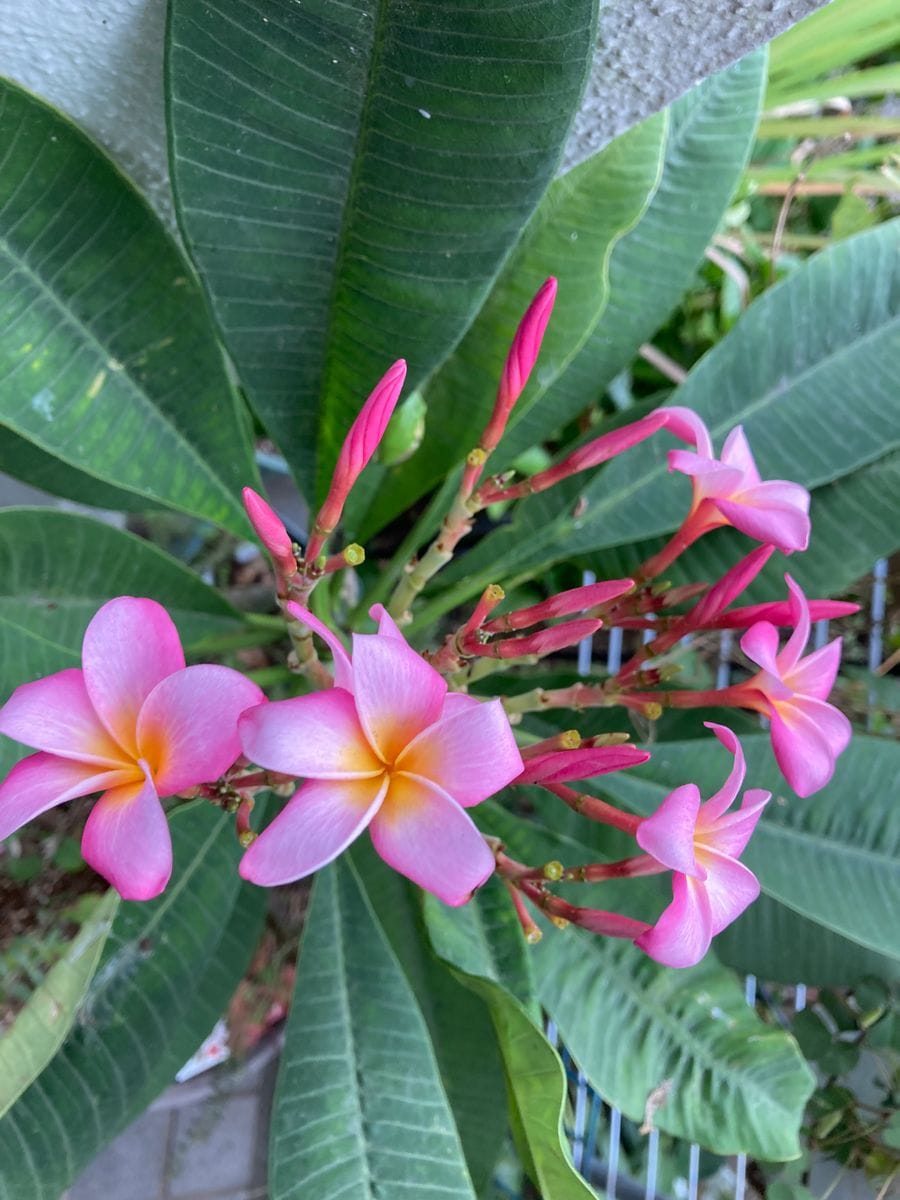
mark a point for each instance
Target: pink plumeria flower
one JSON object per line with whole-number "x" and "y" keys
{"x": 807, "y": 733}
{"x": 133, "y": 723}
{"x": 729, "y": 491}
{"x": 387, "y": 749}
{"x": 701, "y": 843}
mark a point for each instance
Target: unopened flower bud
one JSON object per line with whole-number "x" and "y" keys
{"x": 271, "y": 532}
{"x": 553, "y": 870}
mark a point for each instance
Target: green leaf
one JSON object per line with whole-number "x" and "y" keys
{"x": 56, "y": 569}
{"x": 832, "y": 858}
{"x": 40, "y": 1028}
{"x": 571, "y": 235}
{"x": 349, "y": 178}
{"x": 108, "y": 360}
{"x": 824, "y": 338}
{"x": 167, "y": 972}
{"x": 731, "y": 1083}
{"x": 359, "y": 1107}
{"x": 459, "y": 1022}
{"x": 483, "y": 945}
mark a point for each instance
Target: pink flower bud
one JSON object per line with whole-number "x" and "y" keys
{"x": 271, "y": 532}
{"x": 732, "y": 583}
{"x": 563, "y": 766}
{"x": 359, "y": 446}
{"x": 562, "y": 605}
{"x": 545, "y": 641}
{"x": 778, "y": 612}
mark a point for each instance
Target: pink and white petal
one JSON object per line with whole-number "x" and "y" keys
{"x": 126, "y": 840}
{"x": 731, "y": 833}
{"x": 724, "y": 797}
{"x": 319, "y": 822}
{"x": 423, "y": 833}
{"x": 796, "y": 643}
{"x": 760, "y": 644}
{"x": 130, "y": 645}
{"x": 55, "y": 714}
{"x": 815, "y": 675}
{"x": 397, "y": 693}
{"x": 455, "y": 702}
{"x": 187, "y": 729}
{"x": 340, "y": 665}
{"x": 313, "y": 737}
{"x": 711, "y": 478}
{"x": 668, "y": 835}
{"x": 736, "y": 452}
{"x": 762, "y": 516}
{"x": 42, "y": 781}
{"x": 730, "y": 888}
{"x": 471, "y": 755}
{"x": 681, "y": 936}
{"x": 387, "y": 626}
{"x": 685, "y": 424}
{"x": 807, "y": 736}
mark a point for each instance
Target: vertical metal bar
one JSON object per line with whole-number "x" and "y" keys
{"x": 876, "y": 628}
{"x": 723, "y": 670}
{"x": 693, "y": 1171}
{"x": 585, "y": 646}
{"x": 580, "y": 1119}
{"x": 820, "y": 634}
{"x": 740, "y": 1165}
{"x": 652, "y": 1163}
{"x": 614, "y": 654}
{"x": 800, "y": 997}
{"x": 615, "y": 1134}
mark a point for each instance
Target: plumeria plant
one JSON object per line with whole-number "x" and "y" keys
{"x": 466, "y": 718}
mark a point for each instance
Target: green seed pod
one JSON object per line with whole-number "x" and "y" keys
{"x": 405, "y": 431}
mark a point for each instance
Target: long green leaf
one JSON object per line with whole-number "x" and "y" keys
{"x": 168, "y": 970}
{"x": 40, "y": 1028}
{"x": 108, "y": 360}
{"x": 56, "y": 569}
{"x": 814, "y": 353}
{"x": 349, "y": 178}
{"x": 731, "y": 1083}
{"x": 359, "y": 1109}
{"x": 832, "y": 858}
{"x": 483, "y": 945}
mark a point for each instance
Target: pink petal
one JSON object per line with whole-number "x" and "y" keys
{"x": 397, "y": 693}
{"x": 469, "y": 754}
{"x": 187, "y": 729}
{"x": 761, "y": 513}
{"x": 561, "y": 766}
{"x": 425, "y": 835}
{"x": 711, "y": 477}
{"x": 669, "y": 834}
{"x": 815, "y": 675}
{"x": 56, "y": 715}
{"x": 126, "y": 840}
{"x": 685, "y": 424}
{"x": 42, "y": 781}
{"x": 455, "y": 702}
{"x": 315, "y": 737}
{"x": 343, "y": 672}
{"x": 129, "y": 646}
{"x": 723, "y": 798}
{"x": 387, "y": 626}
{"x": 796, "y": 643}
{"x": 736, "y": 452}
{"x": 760, "y": 644}
{"x": 681, "y": 936}
{"x": 730, "y": 888}
{"x": 807, "y": 736}
{"x": 321, "y": 820}
{"x": 730, "y": 586}
{"x": 731, "y": 833}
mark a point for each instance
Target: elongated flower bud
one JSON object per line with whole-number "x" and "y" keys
{"x": 562, "y": 605}
{"x": 778, "y": 612}
{"x": 732, "y": 583}
{"x": 562, "y": 766}
{"x": 545, "y": 641}
{"x": 271, "y": 532}
{"x": 359, "y": 446}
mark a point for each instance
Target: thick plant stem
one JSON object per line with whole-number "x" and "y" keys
{"x": 595, "y": 809}
{"x": 455, "y": 526}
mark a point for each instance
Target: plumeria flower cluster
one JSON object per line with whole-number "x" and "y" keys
{"x": 392, "y": 744}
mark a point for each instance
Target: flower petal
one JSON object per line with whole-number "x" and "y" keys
{"x": 796, "y": 643}
{"x": 387, "y": 626}
{"x": 730, "y": 888}
{"x": 42, "y": 781}
{"x": 423, "y": 833}
{"x": 55, "y": 714}
{"x": 669, "y": 833}
{"x": 129, "y": 646}
{"x": 397, "y": 693}
{"x": 343, "y": 672}
{"x": 760, "y": 644}
{"x": 807, "y": 737}
{"x": 724, "y": 797}
{"x": 321, "y": 820}
{"x": 736, "y": 452}
{"x": 681, "y": 936}
{"x": 469, "y": 754}
{"x": 126, "y": 840}
{"x": 815, "y": 675}
{"x": 711, "y": 477}
{"x": 761, "y": 512}
{"x": 313, "y": 737}
{"x": 685, "y": 424}
{"x": 731, "y": 833}
{"x": 561, "y": 766}
{"x": 455, "y": 702}
{"x": 187, "y": 730}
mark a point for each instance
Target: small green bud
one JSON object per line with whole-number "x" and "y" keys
{"x": 553, "y": 870}
{"x": 354, "y": 555}
{"x": 404, "y": 433}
